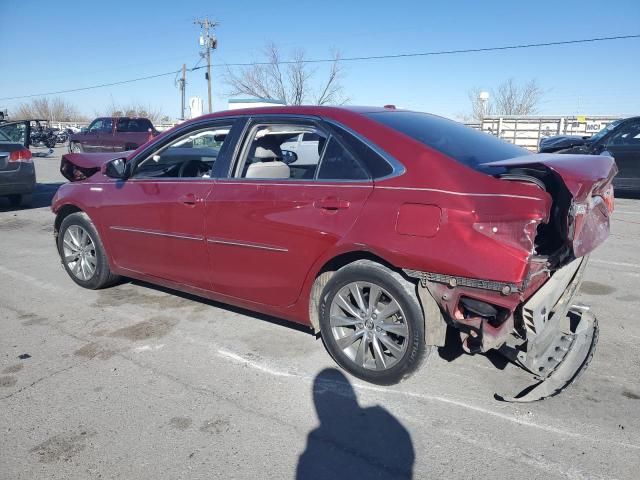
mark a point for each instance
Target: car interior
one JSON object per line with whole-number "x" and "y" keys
{"x": 191, "y": 156}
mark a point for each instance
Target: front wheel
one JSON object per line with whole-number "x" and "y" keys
{"x": 75, "y": 147}
{"x": 372, "y": 323}
{"x": 82, "y": 253}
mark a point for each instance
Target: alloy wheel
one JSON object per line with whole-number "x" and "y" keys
{"x": 79, "y": 252}
{"x": 369, "y": 325}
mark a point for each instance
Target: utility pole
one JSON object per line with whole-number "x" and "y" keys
{"x": 183, "y": 83}
{"x": 209, "y": 42}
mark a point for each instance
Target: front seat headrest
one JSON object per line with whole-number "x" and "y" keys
{"x": 267, "y": 148}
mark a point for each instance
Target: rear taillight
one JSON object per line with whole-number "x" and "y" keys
{"x": 516, "y": 233}
{"x": 22, "y": 155}
{"x": 608, "y": 197}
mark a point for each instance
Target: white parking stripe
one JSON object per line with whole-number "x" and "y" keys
{"x": 385, "y": 390}
{"x": 617, "y": 264}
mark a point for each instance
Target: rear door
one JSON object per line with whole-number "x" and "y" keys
{"x": 272, "y": 221}
{"x": 624, "y": 145}
{"x": 155, "y": 219}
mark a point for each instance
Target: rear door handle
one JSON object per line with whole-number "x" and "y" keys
{"x": 331, "y": 203}
{"x": 188, "y": 199}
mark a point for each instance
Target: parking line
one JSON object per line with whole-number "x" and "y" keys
{"x": 617, "y": 264}
{"x": 434, "y": 398}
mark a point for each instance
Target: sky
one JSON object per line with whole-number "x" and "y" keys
{"x": 49, "y": 46}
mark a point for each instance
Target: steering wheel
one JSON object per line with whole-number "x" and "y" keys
{"x": 200, "y": 168}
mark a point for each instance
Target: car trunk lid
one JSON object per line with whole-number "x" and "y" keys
{"x": 582, "y": 194}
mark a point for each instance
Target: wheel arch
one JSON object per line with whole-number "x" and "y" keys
{"x": 323, "y": 273}
{"x": 62, "y": 213}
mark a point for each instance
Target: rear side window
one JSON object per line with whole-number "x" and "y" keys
{"x": 464, "y": 144}
{"x": 338, "y": 164}
{"x": 133, "y": 125}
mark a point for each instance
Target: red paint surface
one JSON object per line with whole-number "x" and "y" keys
{"x": 421, "y": 220}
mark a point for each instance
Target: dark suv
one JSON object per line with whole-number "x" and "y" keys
{"x": 113, "y": 134}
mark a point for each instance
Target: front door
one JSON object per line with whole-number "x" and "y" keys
{"x": 155, "y": 219}
{"x": 92, "y": 140}
{"x": 277, "y": 214}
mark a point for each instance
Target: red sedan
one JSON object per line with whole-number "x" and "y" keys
{"x": 378, "y": 228}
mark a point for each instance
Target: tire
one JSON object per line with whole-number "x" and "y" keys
{"x": 91, "y": 267}
{"x": 75, "y": 147}
{"x": 397, "y": 328}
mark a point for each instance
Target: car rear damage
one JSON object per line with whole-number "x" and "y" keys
{"x": 532, "y": 319}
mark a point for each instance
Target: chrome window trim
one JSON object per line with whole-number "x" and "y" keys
{"x": 180, "y": 236}
{"x": 258, "y": 246}
{"x": 397, "y": 168}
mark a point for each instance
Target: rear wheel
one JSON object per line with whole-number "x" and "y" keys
{"x": 82, "y": 253}
{"x": 372, "y": 323}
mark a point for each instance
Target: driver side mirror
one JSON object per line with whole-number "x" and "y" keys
{"x": 116, "y": 168}
{"x": 289, "y": 156}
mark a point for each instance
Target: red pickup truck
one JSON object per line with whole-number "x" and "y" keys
{"x": 113, "y": 134}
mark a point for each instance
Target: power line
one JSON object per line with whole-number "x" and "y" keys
{"x": 122, "y": 82}
{"x": 447, "y": 52}
{"x": 351, "y": 59}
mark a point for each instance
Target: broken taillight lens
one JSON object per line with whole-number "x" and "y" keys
{"x": 608, "y": 198}
{"x": 516, "y": 233}
{"x": 22, "y": 155}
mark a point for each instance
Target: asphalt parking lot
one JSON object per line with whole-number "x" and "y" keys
{"x": 140, "y": 382}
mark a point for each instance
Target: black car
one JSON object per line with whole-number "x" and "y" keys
{"x": 620, "y": 139}
{"x": 17, "y": 173}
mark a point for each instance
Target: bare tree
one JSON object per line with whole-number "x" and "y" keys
{"x": 292, "y": 81}
{"x": 54, "y": 109}
{"x": 509, "y": 98}
{"x": 131, "y": 109}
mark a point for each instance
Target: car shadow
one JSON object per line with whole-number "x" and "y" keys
{"x": 224, "y": 306}
{"x": 352, "y": 441}
{"x": 41, "y": 197}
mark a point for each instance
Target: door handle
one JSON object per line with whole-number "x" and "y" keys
{"x": 188, "y": 199}
{"x": 331, "y": 203}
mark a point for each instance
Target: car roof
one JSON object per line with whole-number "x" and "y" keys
{"x": 317, "y": 110}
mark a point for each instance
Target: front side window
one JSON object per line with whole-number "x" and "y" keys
{"x": 629, "y": 135}
{"x": 190, "y": 156}
{"x": 96, "y": 125}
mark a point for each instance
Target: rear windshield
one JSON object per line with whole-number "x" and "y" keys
{"x": 464, "y": 144}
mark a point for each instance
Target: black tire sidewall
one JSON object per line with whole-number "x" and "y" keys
{"x": 413, "y": 316}
{"x": 102, "y": 274}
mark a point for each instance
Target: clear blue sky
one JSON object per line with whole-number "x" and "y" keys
{"x": 48, "y": 46}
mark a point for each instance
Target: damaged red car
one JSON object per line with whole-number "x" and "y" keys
{"x": 378, "y": 228}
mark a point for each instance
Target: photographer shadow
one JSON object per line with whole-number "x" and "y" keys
{"x": 351, "y": 441}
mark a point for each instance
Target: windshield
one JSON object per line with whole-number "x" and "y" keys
{"x": 464, "y": 144}
{"x": 598, "y": 136}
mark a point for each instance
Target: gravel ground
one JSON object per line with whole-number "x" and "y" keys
{"x": 140, "y": 382}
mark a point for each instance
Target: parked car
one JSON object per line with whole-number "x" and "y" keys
{"x": 17, "y": 173}
{"x": 620, "y": 138}
{"x": 112, "y": 134}
{"x": 405, "y": 224}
